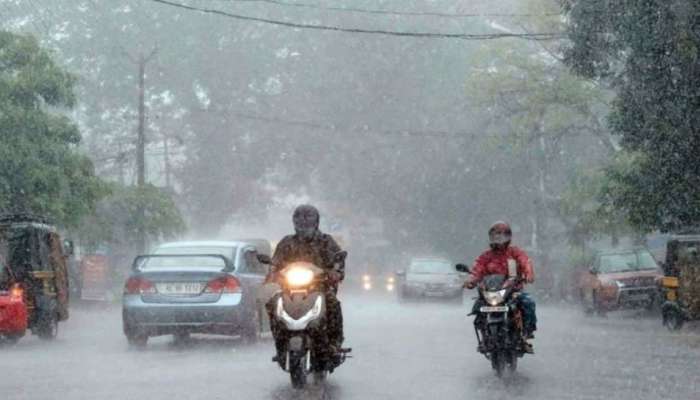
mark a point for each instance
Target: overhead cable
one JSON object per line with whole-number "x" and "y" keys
{"x": 426, "y": 35}
{"x": 393, "y": 12}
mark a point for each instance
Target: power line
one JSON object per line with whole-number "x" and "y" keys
{"x": 339, "y": 128}
{"x": 393, "y": 12}
{"x": 427, "y": 35}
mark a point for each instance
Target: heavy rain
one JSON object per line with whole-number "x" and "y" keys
{"x": 366, "y": 199}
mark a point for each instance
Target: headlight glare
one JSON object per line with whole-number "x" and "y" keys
{"x": 298, "y": 276}
{"x": 494, "y": 298}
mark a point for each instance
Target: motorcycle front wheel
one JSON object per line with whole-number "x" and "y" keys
{"x": 498, "y": 363}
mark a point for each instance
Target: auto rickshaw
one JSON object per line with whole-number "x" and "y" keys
{"x": 33, "y": 277}
{"x": 681, "y": 282}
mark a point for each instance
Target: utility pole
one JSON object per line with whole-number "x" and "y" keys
{"x": 166, "y": 156}
{"x": 142, "y": 61}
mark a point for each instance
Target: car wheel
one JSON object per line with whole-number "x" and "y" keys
{"x": 137, "y": 340}
{"x": 587, "y": 303}
{"x": 600, "y": 311}
{"x": 252, "y": 331}
{"x": 11, "y": 339}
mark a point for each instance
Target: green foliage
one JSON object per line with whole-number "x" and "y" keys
{"x": 41, "y": 170}
{"x": 118, "y": 217}
{"x": 649, "y": 51}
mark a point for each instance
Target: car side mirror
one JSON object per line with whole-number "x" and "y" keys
{"x": 462, "y": 268}
{"x": 401, "y": 273}
{"x": 264, "y": 259}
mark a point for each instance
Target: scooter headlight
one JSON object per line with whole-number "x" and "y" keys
{"x": 297, "y": 276}
{"x": 494, "y": 298}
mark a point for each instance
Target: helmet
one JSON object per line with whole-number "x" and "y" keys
{"x": 500, "y": 235}
{"x": 306, "y": 219}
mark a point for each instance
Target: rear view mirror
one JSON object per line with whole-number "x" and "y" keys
{"x": 68, "y": 247}
{"x": 462, "y": 268}
{"x": 340, "y": 256}
{"x": 264, "y": 259}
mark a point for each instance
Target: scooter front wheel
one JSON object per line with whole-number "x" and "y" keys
{"x": 297, "y": 370}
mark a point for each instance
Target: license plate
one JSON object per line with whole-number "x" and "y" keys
{"x": 494, "y": 309}
{"x": 175, "y": 288}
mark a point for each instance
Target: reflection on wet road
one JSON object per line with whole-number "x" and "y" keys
{"x": 408, "y": 351}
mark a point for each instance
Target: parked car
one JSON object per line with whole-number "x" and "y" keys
{"x": 430, "y": 277}
{"x": 195, "y": 287}
{"x": 620, "y": 279}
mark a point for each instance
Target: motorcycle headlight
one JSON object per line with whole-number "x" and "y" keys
{"x": 494, "y": 298}
{"x": 298, "y": 276}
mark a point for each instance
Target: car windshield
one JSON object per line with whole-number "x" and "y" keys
{"x": 195, "y": 261}
{"x": 632, "y": 261}
{"x": 225, "y": 251}
{"x": 431, "y": 267}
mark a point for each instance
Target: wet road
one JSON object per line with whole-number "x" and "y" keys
{"x": 414, "y": 351}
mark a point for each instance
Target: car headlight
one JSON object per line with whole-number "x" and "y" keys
{"x": 390, "y": 279}
{"x": 390, "y": 287}
{"x": 494, "y": 298}
{"x": 366, "y": 278}
{"x": 298, "y": 276}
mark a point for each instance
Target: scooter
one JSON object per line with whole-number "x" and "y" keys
{"x": 299, "y": 309}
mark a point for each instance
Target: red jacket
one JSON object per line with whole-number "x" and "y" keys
{"x": 496, "y": 262}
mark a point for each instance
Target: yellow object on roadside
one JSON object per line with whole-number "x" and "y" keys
{"x": 671, "y": 295}
{"x": 670, "y": 282}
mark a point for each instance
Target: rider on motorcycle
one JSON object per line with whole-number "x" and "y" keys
{"x": 497, "y": 260}
{"x": 309, "y": 244}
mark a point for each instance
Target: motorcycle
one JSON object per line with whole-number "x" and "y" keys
{"x": 299, "y": 309}
{"x": 499, "y": 322}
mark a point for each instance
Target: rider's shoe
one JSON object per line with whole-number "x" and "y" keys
{"x": 481, "y": 348}
{"x": 279, "y": 359}
{"x": 527, "y": 347}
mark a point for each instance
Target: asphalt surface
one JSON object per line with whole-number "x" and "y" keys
{"x": 401, "y": 351}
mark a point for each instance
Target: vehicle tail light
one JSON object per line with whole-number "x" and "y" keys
{"x": 224, "y": 284}
{"x": 136, "y": 285}
{"x": 16, "y": 293}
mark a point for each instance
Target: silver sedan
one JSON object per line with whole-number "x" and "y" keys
{"x": 194, "y": 287}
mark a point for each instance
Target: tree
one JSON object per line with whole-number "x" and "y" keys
{"x": 650, "y": 52}
{"x": 41, "y": 169}
{"x": 117, "y": 220}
